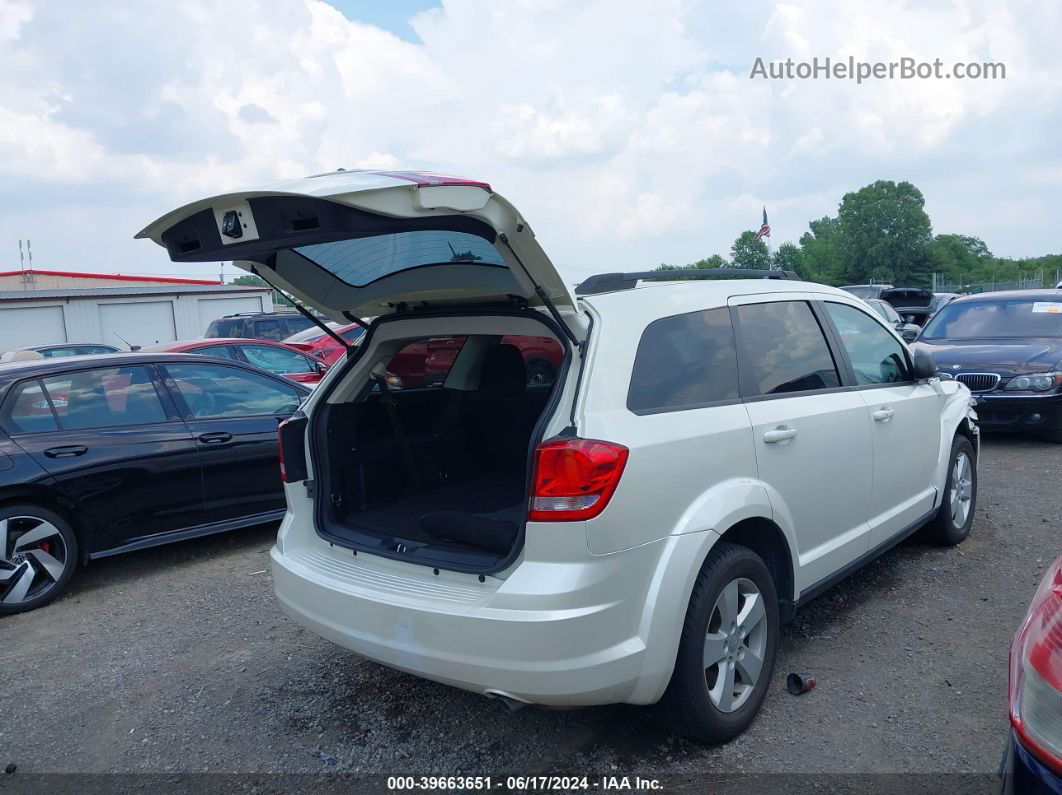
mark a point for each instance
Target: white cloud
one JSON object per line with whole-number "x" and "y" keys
{"x": 628, "y": 133}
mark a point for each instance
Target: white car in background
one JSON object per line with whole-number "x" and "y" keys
{"x": 711, "y": 455}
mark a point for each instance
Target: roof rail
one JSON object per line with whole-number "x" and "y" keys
{"x": 610, "y": 282}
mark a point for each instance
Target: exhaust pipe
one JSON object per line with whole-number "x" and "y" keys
{"x": 511, "y": 702}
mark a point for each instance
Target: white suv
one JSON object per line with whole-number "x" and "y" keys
{"x": 633, "y": 524}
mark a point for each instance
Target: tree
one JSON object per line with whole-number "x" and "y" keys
{"x": 251, "y": 280}
{"x": 714, "y": 261}
{"x": 820, "y": 249}
{"x": 788, "y": 257}
{"x": 958, "y": 257}
{"x": 885, "y": 233}
{"x": 750, "y": 251}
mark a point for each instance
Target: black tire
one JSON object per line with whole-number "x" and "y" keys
{"x": 1052, "y": 436}
{"x": 944, "y": 528}
{"x": 60, "y": 546}
{"x": 687, "y": 705}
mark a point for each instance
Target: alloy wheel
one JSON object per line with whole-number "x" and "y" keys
{"x": 961, "y": 489}
{"x": 735, "y": 645}
{"x": 33, "y": 557}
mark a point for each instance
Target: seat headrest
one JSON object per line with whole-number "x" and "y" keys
{"x": 503, "y": 372}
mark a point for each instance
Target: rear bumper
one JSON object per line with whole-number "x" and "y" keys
{"x": 553, "y": 633}
{"x": 1019, "y": 413}
{"x": 1024, "y": 773}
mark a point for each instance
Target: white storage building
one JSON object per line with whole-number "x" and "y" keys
{"x": 41, "y": 307}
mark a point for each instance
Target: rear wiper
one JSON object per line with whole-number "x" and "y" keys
{"x": 347, "y": 347}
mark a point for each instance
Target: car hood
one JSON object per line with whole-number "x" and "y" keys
{"x": 1007, "y": 358}
{"x": 364, "y": 243}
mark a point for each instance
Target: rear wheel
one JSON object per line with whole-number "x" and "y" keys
{"x": 952, "y": 523}
{"x": 726, "y": 654}
{"x": 38, "y": 555}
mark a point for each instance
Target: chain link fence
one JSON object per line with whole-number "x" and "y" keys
{"x": 1036, "y": 280}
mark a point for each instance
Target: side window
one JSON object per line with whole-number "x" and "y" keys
{"x": 58, "y": 353}
{"x": 277, "y": 360}
{"x": 94, "y": 349}
{"x": 221, "y": 351}
{"x": 297, "y": 324}
{"x": 105, "y": 398}
{"x": 684, "y": 361}
{"x": 269, "y": 330}
{"x": 26, "y": 410}
{"x": 783, "y": 349}
{"x": 876, "y": 356}
{"x": 214, "y": 390}
{"x": 423, "y": 363}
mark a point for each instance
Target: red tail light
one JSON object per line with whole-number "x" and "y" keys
{"x": 574, "y": 479}
{"x": 1036, "y": 673}
{"x": 291, "y": 439}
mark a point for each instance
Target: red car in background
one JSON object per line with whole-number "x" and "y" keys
{"x": 276, "y": 357}
{"x": 320, "y": 345}
{"x": 426, "y": 362}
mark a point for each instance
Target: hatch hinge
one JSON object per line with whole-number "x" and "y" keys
{"x": 311, "y": 488}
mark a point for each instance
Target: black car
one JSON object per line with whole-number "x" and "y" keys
{"x": 106, "y": 454}
{"x": 1007, "y": 348}
{"x": 274, "y": 326}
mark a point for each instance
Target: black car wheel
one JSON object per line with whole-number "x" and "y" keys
{"x": 726, "y": 654}
{"x": 952, "y": 523}
{"x": 38, "y": 555}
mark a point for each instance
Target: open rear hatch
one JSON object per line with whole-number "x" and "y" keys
{"x": 356, "y": 244}
{"x": 435, "y": 471}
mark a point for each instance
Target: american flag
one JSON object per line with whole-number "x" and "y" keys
{"x": 765, "y": 229}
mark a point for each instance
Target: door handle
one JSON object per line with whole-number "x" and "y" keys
{"x": 217, "y": 437}
{"x": 70, "y": 451}
{"x": 780, "y": 435}
{"x": 884, "y": 414}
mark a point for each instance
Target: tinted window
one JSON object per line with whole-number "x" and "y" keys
{"x": 95, "y": 349}
{"x": 876, "y": 356}
{"x": 214, "y": 390}
{"x": 56, "y": 353}
{"x": 270, "y": 330}
{"x": 1019, "y": 317}
{"x": 27, "y": 411}
{"x": 424, "y": 363}
{"x": 277, "y": 360}
{"x": 226, "y": 327}
{"x": 105, "y": 398}
{"x": 783, "y": 349}
{"x": 299, "y": 323}
{"x": 365, "y": 259}
{"x": 224, "y": 351}
{"x": 683, "y": 362}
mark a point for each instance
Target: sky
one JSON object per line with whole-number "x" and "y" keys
{"x": 627, "y": 133}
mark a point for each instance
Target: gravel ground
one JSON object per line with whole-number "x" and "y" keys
{"x": 178, "y": 660}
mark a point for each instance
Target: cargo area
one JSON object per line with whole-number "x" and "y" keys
{"x": 428, "y": 461}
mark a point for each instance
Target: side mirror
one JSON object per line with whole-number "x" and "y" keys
{"x": 909, "y": 334}
{"x": 924, "y": 366}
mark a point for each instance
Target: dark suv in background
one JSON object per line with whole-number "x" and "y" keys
{"x": 274, "y": 326}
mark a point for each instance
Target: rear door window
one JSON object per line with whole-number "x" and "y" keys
{"x": 214, "y": 390}
{"x": 783, "y": 349}
{"x": 27, "y": 410}
{"x": 104, "y": 398}
{"x": 278, "y": 360}
{"x": 684, "y": 362}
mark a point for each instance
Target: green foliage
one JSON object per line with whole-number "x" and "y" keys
{"x": 885, "y": 232}
{"x": 881, "y": 233}
{"x": 250, "y": 280}
{"x": 749, "y": 251}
